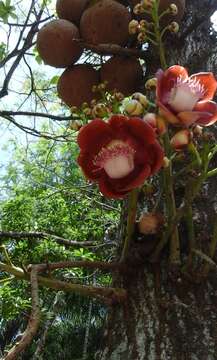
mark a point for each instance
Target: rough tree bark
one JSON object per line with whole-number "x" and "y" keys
{"x": 165, "y": 317}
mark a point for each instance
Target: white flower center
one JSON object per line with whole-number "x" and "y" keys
{"x": 117, "y": 159}
{"x": 185, "y": 94}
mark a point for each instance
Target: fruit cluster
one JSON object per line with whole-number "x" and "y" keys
{"x": 61, "y": 42}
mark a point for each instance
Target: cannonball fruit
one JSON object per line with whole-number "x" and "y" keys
{"x": 122, "y": 73}
{"x": 75, "y": 84}
{"x": 71, "y": 9}
{"x": 105, "y": 22}
{"x": 55, "y": 43}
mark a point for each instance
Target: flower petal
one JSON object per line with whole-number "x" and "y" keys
{"x": 187, "y": 118}
{"x": 209, "y": 83}
{"x": 156, "y": 155}
{"x": 93, "y": 136}
{"x": 167, "y": 114}
{"x": 107, "y": 190}
{"x": 167, "y": 80}
{"x": 85, "y": 161}
{"x": 141, "y": 130}
{"x": 208, "y": 112}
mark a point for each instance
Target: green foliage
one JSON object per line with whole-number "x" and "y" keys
{"x": 7, "y": 10}
{"x": 47, "y": 192}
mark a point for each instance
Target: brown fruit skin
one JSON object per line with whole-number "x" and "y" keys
{"x": 164, "y": 4}
{"x": 75, "y": 85}
{"x": 106, "y": 22}
{"x": 123, "y": 74}
{"x": 71, "y": 9}
{"x": 55, "y": 43}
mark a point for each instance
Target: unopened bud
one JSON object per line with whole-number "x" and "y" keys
{"x": 150, "y": 223}
{"x": 141, "y": 37}
{"x": 118, "y": 96}
{"x": 74, "y": 109}
{"x": 141, "y": 98}
{"x": 151, "y": 119}
{"x": 101, "y": 87}
{"x": 87, "y": 111}
{"x": 100, "y": 110}
{"x": 148, "y": 4}
{"x": 133, "y": 27}
{"x": 151, "y": 83}
{"x": 143, "y": 24}
{"x": 197, "y": 130}
{"x": 133, "y": 107}
{"x": 161, "y": 125}
{"x": 138, "y": 9}
{"x": 173, "y": 9}
{"x": 93, "y": 102}
{"x": 166, "y": 162}
{"x": 75, "y": 125}
{"x": 173, "y": 27}
{"x": 180, "y": 140}
{"x": 94, "y": 88}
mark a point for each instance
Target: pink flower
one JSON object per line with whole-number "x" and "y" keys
{"x": 186, "y": 100}
{"x": 119, "y": 154}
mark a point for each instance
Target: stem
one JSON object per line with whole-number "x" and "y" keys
{"x": 212, "y": 173}
{"x": 212, "y": 248}
{"x": 194, "y": 190}
{"x": 194, "y": 152}
{"x": 133, "y": 199}
{"x": 158, "y": 34}
{"x": 171, "y": 205}
{"x": 191, "y": 234}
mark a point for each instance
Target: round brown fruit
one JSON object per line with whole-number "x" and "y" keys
{"x": 55, "y": 43}
{"x": 164, "y": 4}
{"x": 123, "y": 74}
{"x": 71, "y": 9}
{"x": 106, "y": 22}
{"x": 75, "y": 84}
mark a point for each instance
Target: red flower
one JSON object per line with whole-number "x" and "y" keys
{"x": 119, "y": 154}
{"x": 185, "y": 100}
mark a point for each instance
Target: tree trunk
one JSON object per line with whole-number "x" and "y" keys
{"x": 166, "y": 317}
{"x": 163, "y": 319}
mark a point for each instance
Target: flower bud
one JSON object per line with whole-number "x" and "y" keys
{"x": 138, "y": 9}
{"x": 93, "y": 102}
{"x": 74, "y": 109}
{"x": 102, "y": 86}
{"x": 173, "y": 9}
{"x": 118, "y": 96}
{"x": 94, "y": 88}
{"x": 133, "y": 107}
{"x": 100, "y": 110}
{"x": 151, "y": 119}
{"x": 173, "y": 27}
{"x": 151, "y": 83}
{"x": 180, "y": 140}
{"x": 150, "y": 223}
{"x": 144, "y": 25}
{"x": 75, "y": 125}
{"x": 133, "y": 27}
{"x": 87, "y": 111}
{"x": 197, "y": 130}
{"x": 141, "y": 37}
{"x": 161, "y": 125}
{"x": 141, "y": 98}
{"x": 147, "y": 4}
{"x": 166, "y": 162}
